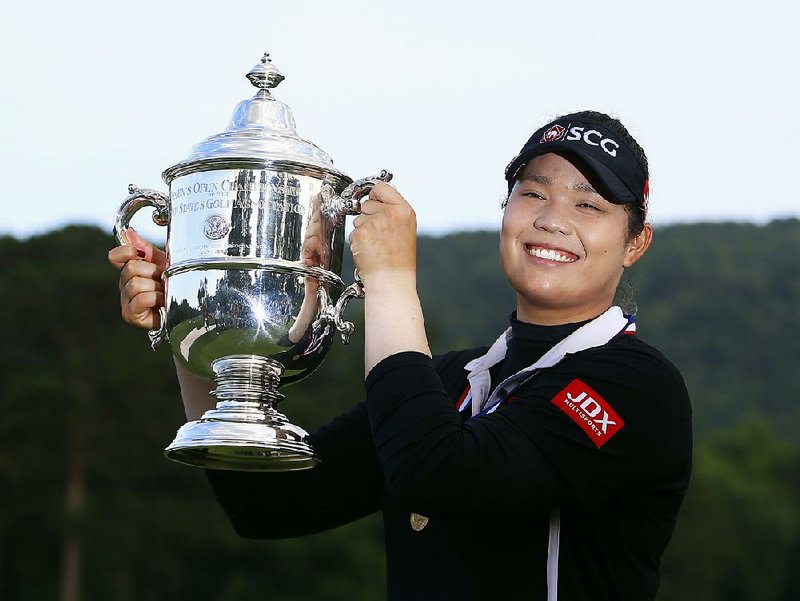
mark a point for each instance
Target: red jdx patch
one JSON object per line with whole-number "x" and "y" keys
{"x": 590, "y": 411}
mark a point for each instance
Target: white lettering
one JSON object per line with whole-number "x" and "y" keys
{"x": 595, "y": 407}
{"x": 578, "y": 398}
{"x": 593, "y": 138}
{"x": 589, "y": 133}
{"x": 608, "y": 142}
{"x": 605, "y": 422}
{"x": 575, "y": 133}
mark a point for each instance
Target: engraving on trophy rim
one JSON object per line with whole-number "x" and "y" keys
{"x": 237, "y": 190}
{"x": 241, "y": 212}
{"x": 277, "y": 206}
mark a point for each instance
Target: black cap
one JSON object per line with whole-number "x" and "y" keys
{"x": 604, "y": 153}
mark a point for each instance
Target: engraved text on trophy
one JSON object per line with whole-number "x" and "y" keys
{"x": 237, "y": 213}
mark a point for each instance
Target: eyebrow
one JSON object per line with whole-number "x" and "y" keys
{"x": 585, "y": 187}
{"x": 539, "y": 179}
{"x": 546, "y": 181}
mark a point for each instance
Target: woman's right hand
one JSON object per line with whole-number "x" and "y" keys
{"x": 141, "y": 289}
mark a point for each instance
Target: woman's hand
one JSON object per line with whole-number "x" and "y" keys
{"x": 384, "y": 238}
{"x": 140, "y": 286}
{"x": 384, "y": 247}
{"x": 141, "y": 293}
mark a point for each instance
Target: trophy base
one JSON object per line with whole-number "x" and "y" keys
{"x": 244, "y": 432}
{"x": 246, "y": 437}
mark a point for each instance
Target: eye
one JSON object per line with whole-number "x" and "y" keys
{"x": 589, "y": 206}
{"x": 532, "y": 194}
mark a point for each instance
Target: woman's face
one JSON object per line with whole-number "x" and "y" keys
{"x": 562, "y": 245}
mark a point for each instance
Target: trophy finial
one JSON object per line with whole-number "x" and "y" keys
{"x": 265, "y": 75}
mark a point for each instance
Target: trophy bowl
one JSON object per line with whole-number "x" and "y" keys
{"x": 254, "y": 297}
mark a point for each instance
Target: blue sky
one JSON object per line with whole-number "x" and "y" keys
{"x": 98, "y": 95}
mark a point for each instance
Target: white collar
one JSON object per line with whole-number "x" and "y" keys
{"x": 593, "y": 334}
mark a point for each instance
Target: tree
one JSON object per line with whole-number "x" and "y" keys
{"x": 740, "y": 520}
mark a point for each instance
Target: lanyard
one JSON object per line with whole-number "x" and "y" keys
{"x": 596, "y": 333}
{"x": 476, "y": 396}
{"x": 465, "y": 400}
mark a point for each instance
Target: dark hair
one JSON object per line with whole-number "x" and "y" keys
{"x": 636, "y": 213}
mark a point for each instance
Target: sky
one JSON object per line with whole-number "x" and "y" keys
{"x": 98, "y": 95}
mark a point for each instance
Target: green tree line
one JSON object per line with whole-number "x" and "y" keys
{"x": 90, "y": 510}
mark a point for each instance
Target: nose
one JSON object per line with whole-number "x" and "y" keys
{"x": 553, "y": 218}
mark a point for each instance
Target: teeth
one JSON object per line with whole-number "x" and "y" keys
{"x": 550, "y": 254}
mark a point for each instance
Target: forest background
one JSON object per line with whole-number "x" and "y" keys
{"x": 90, "y": 510}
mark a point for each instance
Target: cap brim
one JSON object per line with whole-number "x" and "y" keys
{"x": 604, "y": 180}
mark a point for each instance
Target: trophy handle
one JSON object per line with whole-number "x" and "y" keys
{"x": 335, "y": 207}
{"x": 330, "y": 313}
{"x": 139, "y": 199}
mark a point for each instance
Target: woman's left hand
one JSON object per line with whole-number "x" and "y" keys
{"x": 384, "y": 238}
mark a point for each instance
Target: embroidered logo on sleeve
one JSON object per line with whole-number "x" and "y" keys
{"x": 590, "y": 411}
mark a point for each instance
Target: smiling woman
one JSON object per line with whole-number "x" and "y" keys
{"x": 549, "y": 465}
{"x": 563, "y": 246}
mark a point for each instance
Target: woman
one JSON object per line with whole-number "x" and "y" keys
{"x": 548, "y": 466}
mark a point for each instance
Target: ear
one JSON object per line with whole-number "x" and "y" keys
{"x": 635, "y": 248}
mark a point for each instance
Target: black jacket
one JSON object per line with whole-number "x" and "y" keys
{"x": 489, "y": 484}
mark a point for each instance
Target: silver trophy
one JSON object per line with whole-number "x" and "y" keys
{"x": 255, "y": 235}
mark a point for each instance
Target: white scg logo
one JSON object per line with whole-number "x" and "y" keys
{"x": 593, "y": 137}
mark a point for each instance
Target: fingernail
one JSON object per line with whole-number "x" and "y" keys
{"x": 140, "y": 252}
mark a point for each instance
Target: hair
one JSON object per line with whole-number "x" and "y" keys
{"x": 637, "y": 214}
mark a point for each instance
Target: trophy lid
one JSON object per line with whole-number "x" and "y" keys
{"x": 261, "y": 129}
